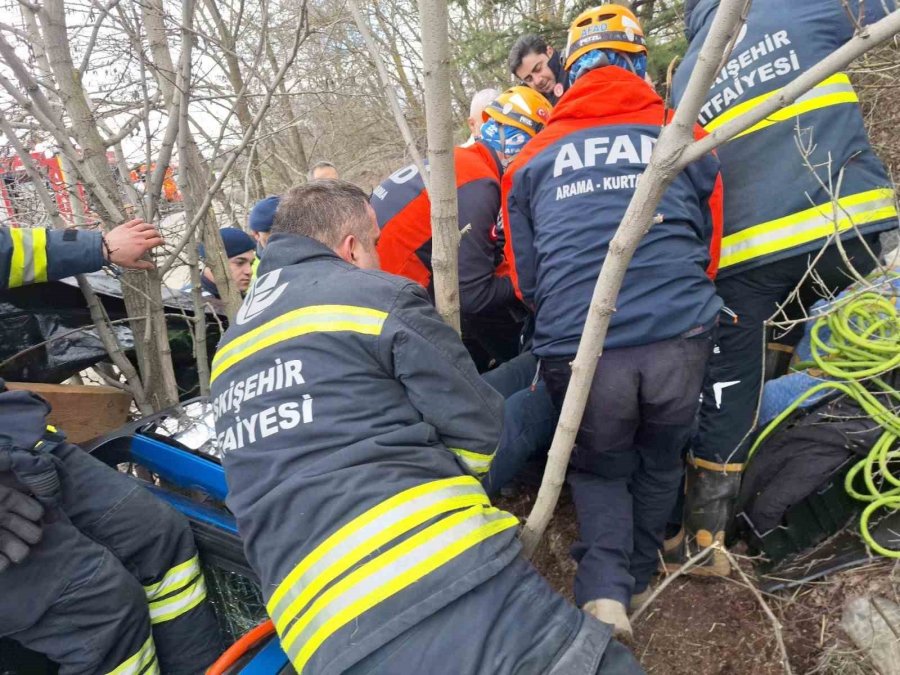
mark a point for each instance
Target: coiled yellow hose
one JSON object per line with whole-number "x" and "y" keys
{"x": 864, "y": 346}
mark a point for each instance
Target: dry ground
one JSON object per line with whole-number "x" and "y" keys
{"x": 717, "y": 627}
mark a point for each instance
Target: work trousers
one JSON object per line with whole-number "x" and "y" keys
{"x": 626, "y": 467}
{"x": 731, "y": 392}
{"x": 529, "y": 420}
{"x": 492, "y": 337}
{"x": 114, "y": 562}
{"x": 514, "y": 623}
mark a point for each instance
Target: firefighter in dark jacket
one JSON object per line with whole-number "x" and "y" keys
{"x": 492, "y": 316}
{"x": 354, "y": 426}
{"x": 95, "y": 572}
{"x": 564, "y": 197}
{"x": 779, "y": 214}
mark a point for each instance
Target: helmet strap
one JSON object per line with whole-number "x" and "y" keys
{"x": 630, "y": 62}
{"x": 505, "y": 159}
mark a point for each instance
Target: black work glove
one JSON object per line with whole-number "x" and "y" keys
{"x": 26, "y": 443}
{"x": 20, "y": 525}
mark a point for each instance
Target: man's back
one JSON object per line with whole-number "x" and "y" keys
{"x": 403, "y": 210}
{"x": 564, "y": 198}
{"x": 348, "y": 420}
{"x": 777, "y": 203}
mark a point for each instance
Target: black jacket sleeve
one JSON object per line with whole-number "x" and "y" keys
{"x": 440, "y": 379}
{"x": 480, "y": 289}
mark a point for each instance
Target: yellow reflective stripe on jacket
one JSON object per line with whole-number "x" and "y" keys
{"x": 315, "y": 319}
{"x": 28, "y": 263}
{"x": 477, "y": 462}
{"x": 388, "y": 574}
{"x": 806, "y": 226}
{"x": 366, "y": 533}
{"x": 39, "y": 250}
{"x": 832, "y": 91}
{"x": 142, "y": 661}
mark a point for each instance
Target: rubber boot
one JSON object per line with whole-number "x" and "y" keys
{"x": 673, "y": 551}
{"x": 613, "y": 613}
{"x": 711, "y": 491}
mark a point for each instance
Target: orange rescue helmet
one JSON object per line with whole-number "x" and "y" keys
{"x": 520, "y": 107}
{"x": 605, "y": 27}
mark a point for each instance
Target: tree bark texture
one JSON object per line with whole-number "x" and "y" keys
{"x": 194, "y": 172}
{"x": 445, "y": 233}
{"x": 242, "y": 105}
{"x": 397, "y": 111}
{"x": 142, "y": 291}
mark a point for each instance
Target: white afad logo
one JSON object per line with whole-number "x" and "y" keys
{"x": 717, "y": 391}
{"x": 261, "y": 296}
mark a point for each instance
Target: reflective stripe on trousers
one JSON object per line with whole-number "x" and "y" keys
{"x": 833, "y": 91}
{"x": 806, "y": 226}
{"x": 308, "y": 608}
{"x": 181, "y": 589}
{"x": 313, "y": 319}
{"x": 142, "y": 662}
{"x": 28, "y": 264}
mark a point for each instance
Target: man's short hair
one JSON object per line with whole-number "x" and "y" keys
{"x": 325, "y": 210}
{"x": 525, "y": 45}
{"x": 319, "y": 165}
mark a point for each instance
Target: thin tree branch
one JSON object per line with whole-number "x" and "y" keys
{"x": 95, "y": 31}
{"x": 375, "y": 54}
{"x": 112, "y": 346}
{"x": 81, "y": 329}
{"x": 300, "y": 34}
{"x": 685, "y": 567}
{"x": 776, "y": 624}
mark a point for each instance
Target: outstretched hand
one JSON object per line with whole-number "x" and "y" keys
{"x": 127, "y": 243}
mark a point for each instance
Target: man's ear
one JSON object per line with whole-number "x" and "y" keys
{"x": 346, "y": 249}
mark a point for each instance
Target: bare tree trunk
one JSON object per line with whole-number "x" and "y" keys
{"x": 674, "y": 151}
{"x": 236, "y": 78}
{"x": 193, "y": 167}
{"x": 442, "y": 184}
{"x": 300, "y": 34}
{"x": 142, "y": 291}
{"x": 298, "y": 152}
{"x": 98, "y": 315}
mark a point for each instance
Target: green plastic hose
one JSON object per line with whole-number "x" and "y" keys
{"x": 864, "y": 345}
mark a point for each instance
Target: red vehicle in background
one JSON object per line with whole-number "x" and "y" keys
{"x": 19, "y": 203}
